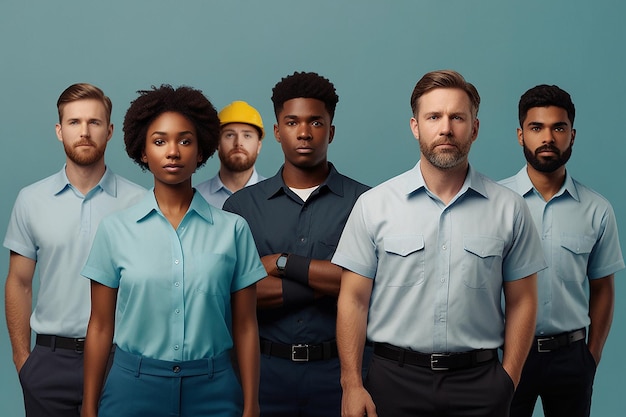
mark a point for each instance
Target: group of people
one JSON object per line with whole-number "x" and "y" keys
{"x": 436, "y": 293}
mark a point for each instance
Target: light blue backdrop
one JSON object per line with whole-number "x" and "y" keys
{"x": 373, "y": 51}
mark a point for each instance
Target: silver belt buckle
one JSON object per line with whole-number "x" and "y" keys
{"x": 300, "y": 353}
{"x": 434, "y": 359}
{"x": 540, "y": 341}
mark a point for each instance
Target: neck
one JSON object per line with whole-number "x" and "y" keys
{"x": 235, "y": 180}
{"x": 84, "y": 178}
{"x": 445, "y": 184}
{"x": 297, "y": 177}
{"x": 546, "y": 183}
{"x": 173, "y": 200}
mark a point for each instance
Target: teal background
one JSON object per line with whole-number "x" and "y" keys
{"x": 373, "y": 51}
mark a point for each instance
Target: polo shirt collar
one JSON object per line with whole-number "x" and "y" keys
{"x": 276, "y": 184}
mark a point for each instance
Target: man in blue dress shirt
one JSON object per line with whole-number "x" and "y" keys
{"x": 296, "y": 218}
{"x": 426, "y": 256}
{"x": 581, "y": 245}
{"x": 52, "y": 225}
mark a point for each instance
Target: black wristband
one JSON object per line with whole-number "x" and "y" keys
{"x": 296, "y": 295}
{"x": 297, "y": 269}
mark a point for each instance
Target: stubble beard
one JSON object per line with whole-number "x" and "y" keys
{"x": 238, "y": 162}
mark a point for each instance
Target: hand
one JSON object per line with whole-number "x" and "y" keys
{"x": 515, "y": 379}
{"x": 19, "y": 360}
{"x": 357, "y": 402}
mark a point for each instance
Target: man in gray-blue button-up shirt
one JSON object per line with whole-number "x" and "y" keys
{"x": 581, "y": 245}
{"x": 426, "y": 256}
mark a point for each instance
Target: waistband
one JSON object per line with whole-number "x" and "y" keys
{"x": 156, "y": 367}
{"x": 300, "y": 352}
{"x": 435, "y": 361}
{"x": 558, "y": 341}
{"x": 60, "y": 342}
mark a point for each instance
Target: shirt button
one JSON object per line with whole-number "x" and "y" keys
{"x": 176, "y": 347}
{"x": 443, "y": 247}
{"x": 176, "y": 261}
{"x": 177, "y": 311}
{"x": 177, "y": 284}
{"x": 176, "y": 369}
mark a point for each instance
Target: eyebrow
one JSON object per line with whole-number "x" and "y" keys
{"x": 184, "y": 132}
{"x": 539, "y": 124}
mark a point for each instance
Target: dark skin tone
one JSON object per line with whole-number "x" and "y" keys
{"x": 304, "y": 129}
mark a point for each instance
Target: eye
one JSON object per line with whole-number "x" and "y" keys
{"x": 290, "y": 123}
{"x": 185, "y": 141}
{"x": 535, "y": 129}
{"x": 317, "y": 123}
{"x": 159, "y": 142}
{"x": 559, "y": 129}
{"x": 95, "y": 122}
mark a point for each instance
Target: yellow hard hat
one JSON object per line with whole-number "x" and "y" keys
{"x": 241, "y": 112}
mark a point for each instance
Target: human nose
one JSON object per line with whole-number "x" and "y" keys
{"x": 304, "y": 131}
{"x": 172, "y": 151}
{"x": 84, "y": 130}
{"x": 548, "y": 136}
{"x": 445, "y": 127}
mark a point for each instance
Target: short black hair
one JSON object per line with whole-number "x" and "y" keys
{"x": 544, "y": 95}
{"x": 185, "y": 100}
{"x": 305, "y": 85}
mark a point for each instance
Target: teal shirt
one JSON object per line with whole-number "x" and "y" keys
{"x": 580, "y": 243}
{"x": 439, "y": 269}
{"x": 54, "y": 224}
{"x": 174, "y": 286}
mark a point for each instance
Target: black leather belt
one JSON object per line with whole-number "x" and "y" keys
{"x": 435, "y": 361}
{"x": 300, "y": 352}
{"x": 59, "y": 342}
{"x": 550, "y": 343}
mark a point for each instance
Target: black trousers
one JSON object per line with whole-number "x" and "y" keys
{"x": 563, "y": 379}
{"x": 398, "y": 391}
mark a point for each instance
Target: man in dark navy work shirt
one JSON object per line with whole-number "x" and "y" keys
{"x": 297, "y": 217}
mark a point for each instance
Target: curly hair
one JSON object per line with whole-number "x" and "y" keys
{"x": 187, "y": 101}
{"x": 444, "y": 79}
{"x": 544, "y": 95}
{"x": 305, "y": 85}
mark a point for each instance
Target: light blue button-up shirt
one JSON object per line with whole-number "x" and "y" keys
{"x": 439, "y": 269}
{"x": 174, "y": 286}
{"x": 216, "y": 193}
{"x": 580, "y": 243}
{"x": 54, "y": 224}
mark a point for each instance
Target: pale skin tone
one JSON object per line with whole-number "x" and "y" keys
{"x": 84, "y": 122}
{"x": 551, "y": 125}
{"x": 445, "y": 123}
{"x": 239, "y": 141}
{"x": 172, "y": 155}
{"x": 304, "y": 129}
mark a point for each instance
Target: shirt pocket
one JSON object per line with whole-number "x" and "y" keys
{"x": 574, "y": 256}
{"x": 404, "y": 260}
{"x": 482, "y": 260}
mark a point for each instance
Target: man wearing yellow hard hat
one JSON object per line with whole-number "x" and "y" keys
{"x": 239, "y": 145}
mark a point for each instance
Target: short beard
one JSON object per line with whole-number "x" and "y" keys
{"x": 84, "y": 158}
{"x": 444, "y": 160}
{"x": 547, "y": 165}
{"x": 236, "y": 164}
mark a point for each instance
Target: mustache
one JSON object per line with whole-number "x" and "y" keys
{"x": 85, "y": 142}
{"x": 547, "y": 147}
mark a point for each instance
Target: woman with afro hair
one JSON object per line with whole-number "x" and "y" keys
{"x": 172, "y": 280}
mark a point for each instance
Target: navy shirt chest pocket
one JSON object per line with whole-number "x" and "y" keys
{"x": 482, "y": 260}
{"x": 404, "y": 259}
{"x": 574, "y": 256}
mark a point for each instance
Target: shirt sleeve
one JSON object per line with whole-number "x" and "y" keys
{"x": 100, "y": 266}
{"x": 249, "y": 268}
{"x": 606, "y": 256}
{"x": 19, "y": 238}
{"x": 356, "y": 250}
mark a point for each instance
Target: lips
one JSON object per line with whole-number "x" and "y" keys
{"x": 173, "y": 167}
